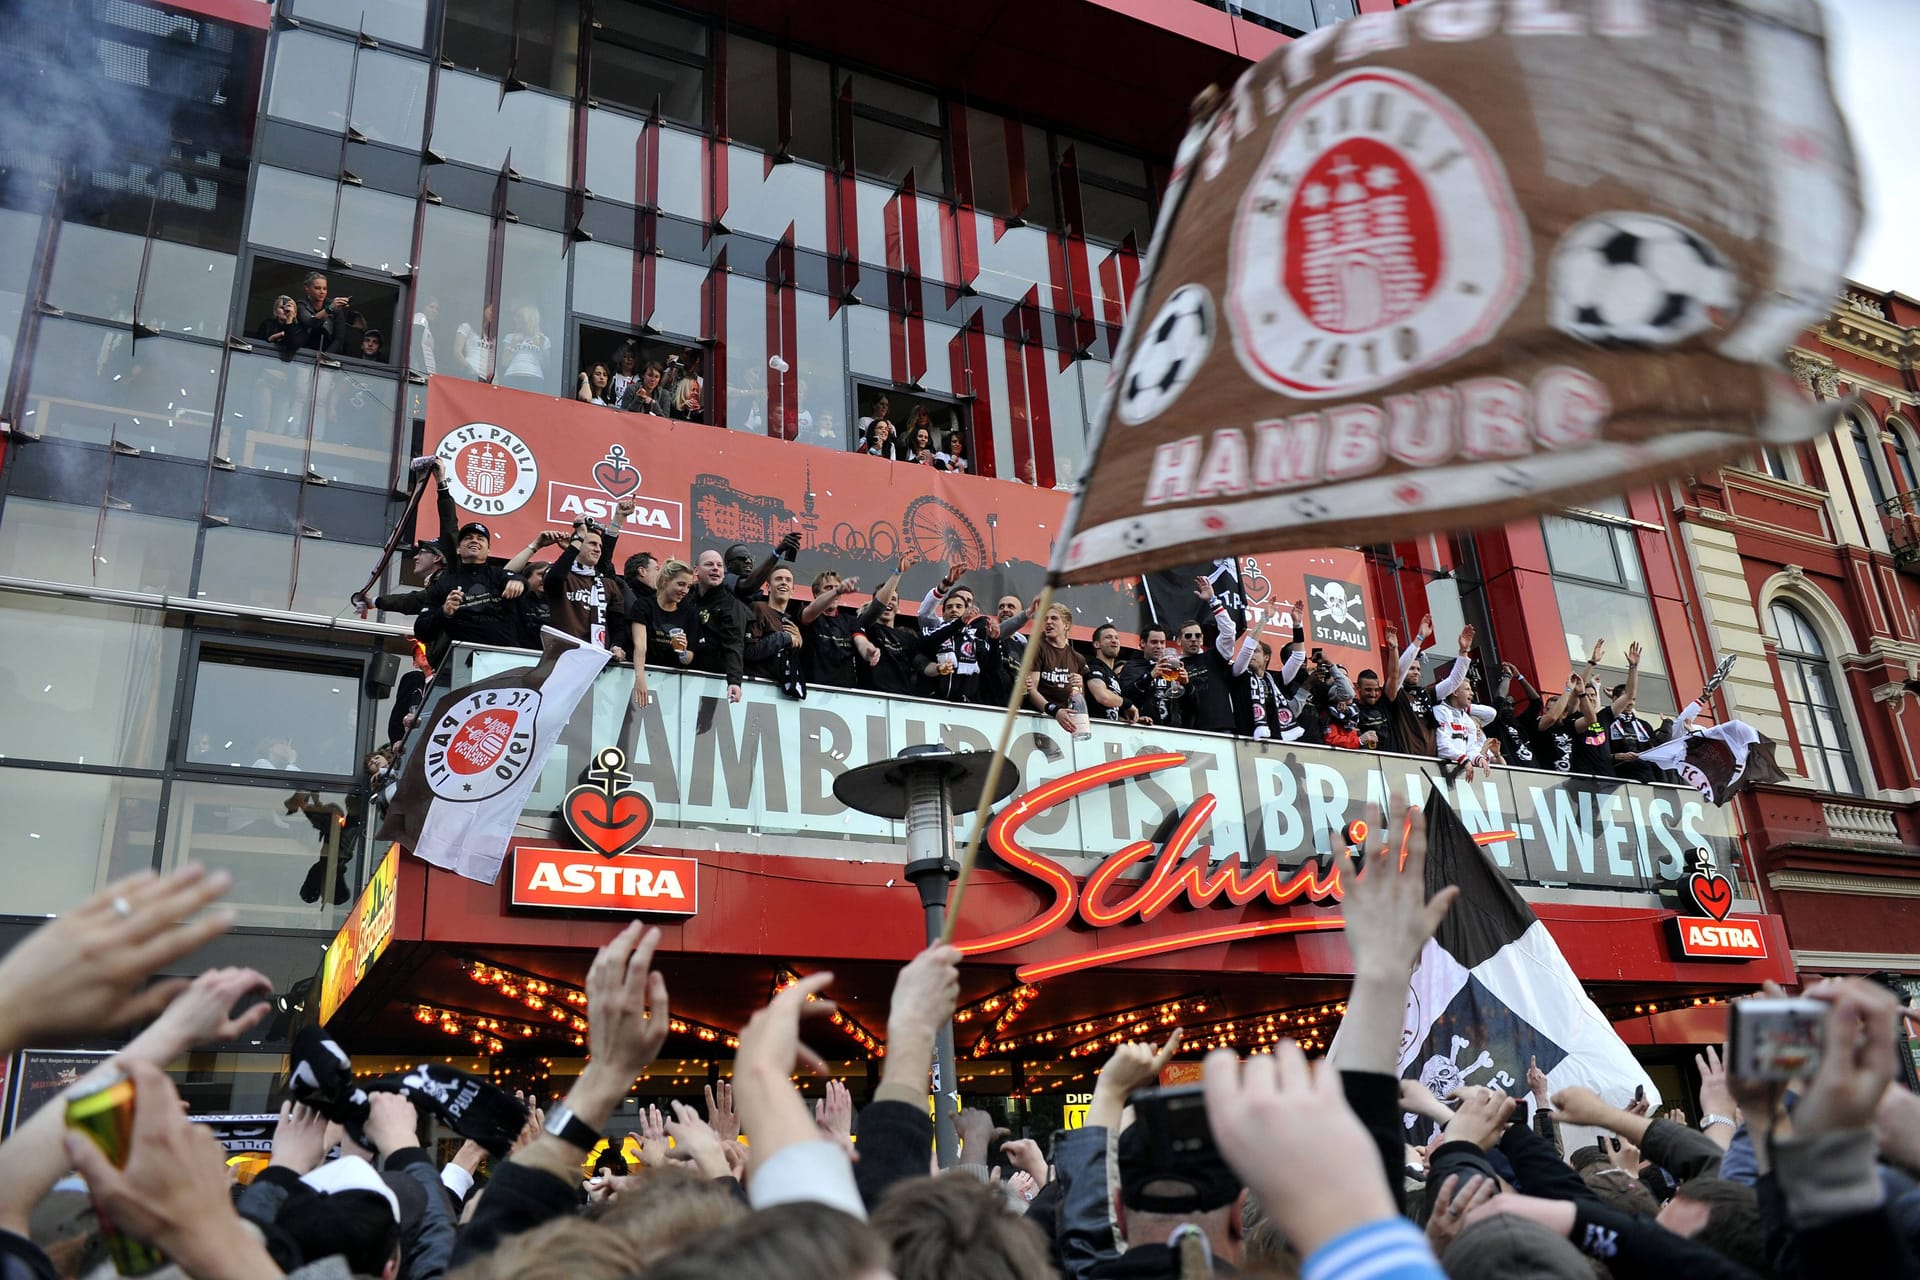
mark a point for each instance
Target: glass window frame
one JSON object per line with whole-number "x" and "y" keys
{"x": 1807, "y": 669}
{"x": 1866, "y": 442}
{"x": 289, "y": 655}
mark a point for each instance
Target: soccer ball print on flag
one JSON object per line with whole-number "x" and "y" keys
{"x": 1449, "y": 265}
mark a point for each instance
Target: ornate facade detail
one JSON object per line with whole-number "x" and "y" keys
{"x": 1866, "y": 306}
{"x": 1858, "y": 823}
{"x": 1804, "y": 368}
{"x": 1826, "y": 380}
{"x": 1793, "y": 573}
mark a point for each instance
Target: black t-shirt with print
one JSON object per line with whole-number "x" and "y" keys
{"x": 828, "y": 654}
{"x": 1518, "y": 733}
{"x": 1629, "y": 733}
{"x": 1100, "y": 669}
{"x": 1591, "y": 754}
{"x": 1377, "y": 719}
{"x": 1209, "y": 701}
{"x": 1553, "y": 746}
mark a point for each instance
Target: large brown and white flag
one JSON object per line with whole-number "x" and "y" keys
{"x": 1445, "y": 266}
{"x": 479, "y": 756}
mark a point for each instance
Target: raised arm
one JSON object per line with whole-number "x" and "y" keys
{"x": 1296, "y": 658}
{"x": 826, "y": 600}
{"x": 1224, "y": 630}
{"x": 1625, "y": 700}
{"x": 1244, "y": 653}
{"x": 1457, "y": 672}
{"x": 547, "y": 538}
{"x": 747, "y": 586}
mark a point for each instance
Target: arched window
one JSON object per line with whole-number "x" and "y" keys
{"x": 1813, "y": 699}
{"x": 1904, "y": 476}
{"x": 1867, "y": 447}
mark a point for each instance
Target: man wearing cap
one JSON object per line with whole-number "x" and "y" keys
{"x": 1161, "y": 1191}
{"x": 468, "y": 602}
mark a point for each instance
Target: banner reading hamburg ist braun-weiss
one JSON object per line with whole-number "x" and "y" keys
{"x": 758, "y": 777}
{"x": 1448, "y": 265}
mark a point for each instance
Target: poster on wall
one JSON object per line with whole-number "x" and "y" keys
{"x": 39, "y": 1076}
{"x": 523, "y": 463}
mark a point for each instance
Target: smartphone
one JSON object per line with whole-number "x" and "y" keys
{"x": 1176, "y": 1125}
{"x": 1776, "y": 1038}
{"x": 1319, "y": 656}
{"x": 1639, "y": 1093}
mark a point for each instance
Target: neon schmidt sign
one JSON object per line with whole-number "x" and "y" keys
{"x": 1179, "y": 870}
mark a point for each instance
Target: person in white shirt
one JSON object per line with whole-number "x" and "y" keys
{"x": 523, "y": 353}
{"x": 1460, "y": 738}
{"x": 423, "y": 337}
{"x": 473, "y": 348}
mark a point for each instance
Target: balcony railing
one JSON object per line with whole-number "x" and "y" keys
{"x": 1901, "y": 516}
{"x": 757, "y": 777}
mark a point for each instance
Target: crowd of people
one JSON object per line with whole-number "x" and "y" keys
{"x": 1290, "y": 1167}
{"x": 736, "y": 614}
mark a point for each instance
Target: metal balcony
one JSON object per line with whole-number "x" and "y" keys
{"x": 1900, "y": 515}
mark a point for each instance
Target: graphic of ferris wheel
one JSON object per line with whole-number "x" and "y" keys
{"x": 934, "y": 527}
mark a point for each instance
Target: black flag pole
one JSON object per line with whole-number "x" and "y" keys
{"x": 362, "y": 599}
{"x": 1205, "y": 108}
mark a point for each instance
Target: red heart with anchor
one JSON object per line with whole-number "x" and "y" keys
{"x": 607, "y": 823}
{"x": 615, "y": 475}
{"x": 1711, "y": 893}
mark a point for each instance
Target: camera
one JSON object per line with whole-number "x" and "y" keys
{"x": 1175, "y": 1125}
{"x": 1776, "y": 1038}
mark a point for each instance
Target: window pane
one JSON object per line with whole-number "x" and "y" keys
{"x": 1012, "y": 263}
{"x": 281, "y": 843}
{"x": 533, "y": 289}
{"x": 394, "y": 21}
{"x": 453, "y": 281}
{"x": 762, "y": 201}
{"x": 990, "y": 147}
{"x": 390, "y": 98}
{"x": 263, "y": 713}
{"x": 894, "y": 99}
{"x": 677, "y": 290}
{"x": 19, "y": 236}
{"x": 353, "y": 427}
{"x": 122, "y": 552}
{"x": 1865, "y": 449}
{"x": 646, "y": 26}
{"x": 884, "y": 151}
{"x": 310, "y": 76}
{"x": 292, "y": 211}
{"x": 869, "y": 344}
{"x": 1580, "y": 548}
{"x": 635, "y": 78}
{"x": 683, "y": 184}
{"x": 187, "y": 290}
{"x": 328, "y": 573}
{"x": 375, "y": 230}
{"x": 93, "y": 383}
{"x": 246, "y": 566}
{"x": 73, "y": 834}
{"x": 475, "y": 123}
{"x": 1795, "y": 633}
{"x": 603, "y": 283}
{"x": 86, "y": 684}
{"x": 1112, "y": 215}
{"x": 746, "y": 339}
{"x": 263, "y": 424}
{"x": 1068, "y": 419}
{"x": 95, "y": 271}
{"x": 1903, "y": 473}
{"x": 1593, "y": 613}
{"x": 613, "y": 156}
{"x": 481, "y": 35}
{"x": 820, "y": 365}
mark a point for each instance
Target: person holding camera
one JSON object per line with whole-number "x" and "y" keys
{"x": 469, "y": 603}
{"x": 586, "y": 599}
{"x": 1209, "y": 701}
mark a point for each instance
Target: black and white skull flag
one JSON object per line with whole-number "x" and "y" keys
{"x": 477, "y": 760}
{"x": 1721, "y": 761}
{"x": 1491, "y": 991}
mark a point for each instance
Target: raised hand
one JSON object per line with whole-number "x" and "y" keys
{"x": 1132, "y": 1066}
{"x": 1599, "y": 647}
{"x": 393, "y": 1123}
{"x": 1025, "y": 1155}
{"x": 1426, "y": 627}
{"x": 1451, "y": 1205}
{"x": 720, "y": 1114}
{"x": 199, "y": 1016}
{"x": 626, "y": 1003}
{"x": 1633, "y": 654}
{"x": 1203, "y": 587}
{"x": 695, "y": 1141}
{"x": 85, "y": 973}
{"x": 834, "y": 1113}
{"x": 1537, "y": 1082}
{"x": 1482, "y": 1117}
{"x": 1466, "y": 640}
{"x": 1387, "y": 912}
{"x": 1286, "y": 1129}
{"x": 909, "y": 558}
{"x": 651, "y": 1141}
{"x": 1857, "y": 1063}
{"x": 299, "y": 1140}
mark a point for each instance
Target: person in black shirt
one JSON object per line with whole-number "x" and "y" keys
{"x": 1578, "y": 718}
{"x": 320, "y": 323}
{"x": 897, "y": 656}
{"x": 1516, "y": 728}
{"x": 1627, "y": 734}
{"x": 1155, "y": 681}
{"x": 956, "y": 663}
{"x": 1210, "y": 671}
{"x": 723, "y": 624}
{"x": 641, "y": 572}
{"x": 1105, "y": 701}
{"x": 666, "y": 626}
{"x": 1373, "y": 718}
{"x": 831, "y": 658}
{"x": 1009, "y": 649}
{"x": 467, "y": 604}
{"x": 774, "y": 642}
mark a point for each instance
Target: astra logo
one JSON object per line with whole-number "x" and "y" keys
{"x": 1698, "y": 939}
{"x": 580, "y": 880}
{"x": 652, "y": 517}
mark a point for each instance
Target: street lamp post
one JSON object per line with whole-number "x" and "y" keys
{"x": 921, "y": 786}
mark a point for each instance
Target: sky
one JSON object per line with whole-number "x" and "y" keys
{"x": 1875, "y": 51}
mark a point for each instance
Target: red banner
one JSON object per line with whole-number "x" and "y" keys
{"x": 523, "y": 462}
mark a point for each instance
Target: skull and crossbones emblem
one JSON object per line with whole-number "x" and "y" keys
{"x": 1342, "y": 609}
{"x": 1443, "y": 1073}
